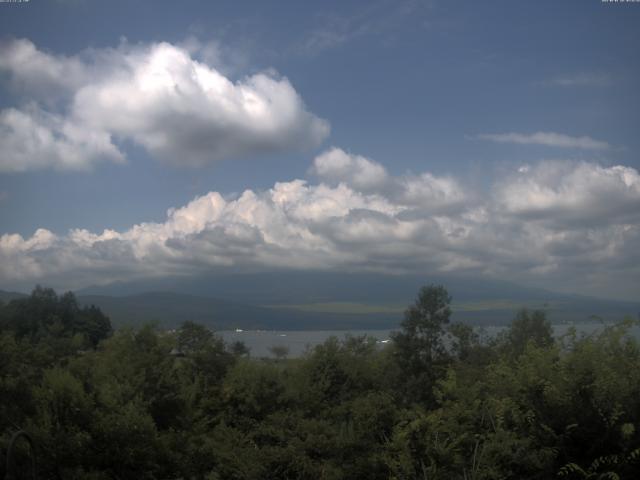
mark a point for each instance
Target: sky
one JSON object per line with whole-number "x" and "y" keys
{"x": 145, "y": 139}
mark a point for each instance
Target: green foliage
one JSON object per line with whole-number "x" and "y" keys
{"x": 528, "y": 328}
{"x": 279, "y": 351}
{"x": 419, "y": 348}
{"x": 45, "y": 316}
{"x": 423, "y": 326}
{"x": 439, "y": 402}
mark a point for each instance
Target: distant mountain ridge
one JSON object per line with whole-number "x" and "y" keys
{"x": 6, "y": 297}
{"x": 170, "y": 309}
{"x": 300, "y": 301}
{"x": 309, "y": 287}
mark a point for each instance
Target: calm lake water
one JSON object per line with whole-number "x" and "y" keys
{"x": 298, "y": 341}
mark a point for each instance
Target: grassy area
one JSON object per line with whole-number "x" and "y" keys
{"x": 340, "y": 307}
{"x": 363, "y": 308}
{"x": 499, "y": 305}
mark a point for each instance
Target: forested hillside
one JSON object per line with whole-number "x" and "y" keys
{"x": 438, "y": 402}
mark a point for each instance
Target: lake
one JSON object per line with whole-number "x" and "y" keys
{"x": 298, "y": 341}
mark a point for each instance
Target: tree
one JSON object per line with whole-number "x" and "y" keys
{"x": 279, "y": 351}
{"x": 463, "y": 339}
{"x": 206, "y": 352}
{"x": 239, "y": 349}
{"x": 528, "y": 327}
{"x": 420, "y": 350}
{"x": 45, "y": 316}
{"x": 194, "y": 338}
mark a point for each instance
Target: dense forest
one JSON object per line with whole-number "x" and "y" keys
{"x": 439, "y": 401}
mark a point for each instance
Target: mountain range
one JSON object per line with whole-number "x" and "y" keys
{"x": 326, "y": 301}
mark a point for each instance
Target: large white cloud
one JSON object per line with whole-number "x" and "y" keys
{"x": 40, "y": 74}
{"x": 181, "y": 110}
{"x": 32, "y": 139}
{"x": 426, "y": 192}
{"x": 554, "y": 223}
{"x": 579, "y": 193}
{"x": 335, "y": 165}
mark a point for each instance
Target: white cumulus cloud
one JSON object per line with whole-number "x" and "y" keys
{"x": 39, "y": 73}
{"x": 424, "y": 191}
{"x": 32, "y": 139}
{"x": 554, "y": 223}
{"x": 181, "y": 110}
{"x": 337, "y": 165}
{"x": 579, "y": 192}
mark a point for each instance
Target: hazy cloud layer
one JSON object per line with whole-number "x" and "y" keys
{"x": 159, "y": 96}
{"x": 582, "y": 79}
{"x": 547, "y": 139}
{"x": 554, "y": 223}
{"x": 373, "y": 20}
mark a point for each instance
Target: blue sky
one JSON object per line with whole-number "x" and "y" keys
{"x": 500, "y": 125}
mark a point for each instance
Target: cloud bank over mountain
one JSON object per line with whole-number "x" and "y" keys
{"x": 548, "y": 224}
{"x": 562, "y": 224}
{"x": 157, "y": 95}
